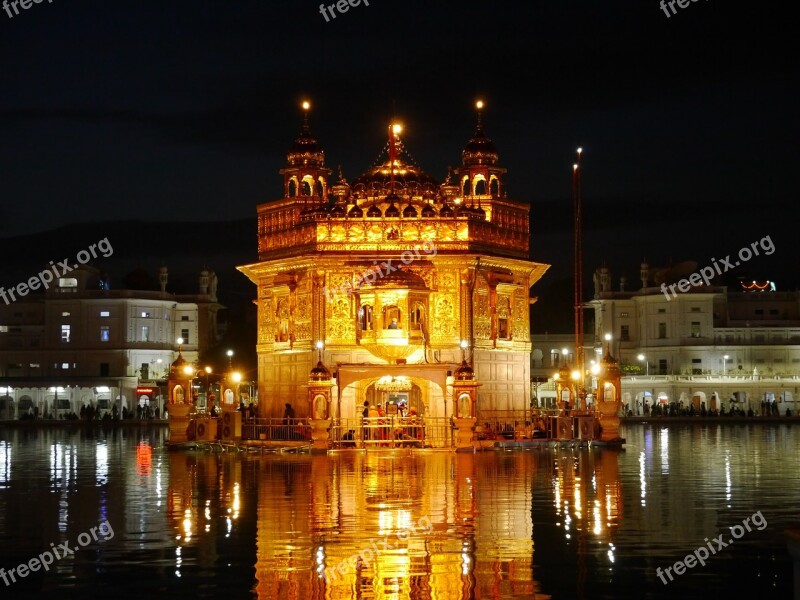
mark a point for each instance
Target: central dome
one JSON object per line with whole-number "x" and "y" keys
{"x": 407, "y": 172}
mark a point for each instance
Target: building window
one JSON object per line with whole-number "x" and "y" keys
{"x": 67, "y": 282}
{"x": 145, "y": 333}
{"x": 66, "y": 313}
{"x": 555, "y": 356}
{"x": 662, "y": 366}
{"x": 759, "y": 311}
{"x": 695, "y": 309}
{"x": 365, "y": 318}
{"x": 104, "y": 370}
{"x": 35, "y": 366}
{"x": 623, "y": 314}
{"x": 624, "y": 333}
{"x": 184, "y": 317}
{"x": 773, "y": 311}
{"x": 695, "y": 329}
{"x": 417, "y": 316}
{"x": 104, "y": 333}
{"x": 145, "y": 371}
{"x": 145, "y": 315}
{"x": 697, "y": 366}
{"x": 185, "y": 335}
{"x": 661, "y": 310}
{"x": 65, "y": 365}
{"x": 3, "y": 328}
{"x": 761, "y": 361}
{"x": 105, "y": 313}
{"x": 662, "y": 331}
{"x": 65, "y": 332}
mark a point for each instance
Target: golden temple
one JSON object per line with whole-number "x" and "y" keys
{"x": 390, "y": 282}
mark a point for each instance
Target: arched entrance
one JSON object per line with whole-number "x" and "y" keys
{"x": 404, "y": 392}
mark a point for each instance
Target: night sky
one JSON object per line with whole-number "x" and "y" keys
{"x": 183, "y": 111}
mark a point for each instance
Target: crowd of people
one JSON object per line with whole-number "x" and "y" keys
{"x": 678, "y": 409}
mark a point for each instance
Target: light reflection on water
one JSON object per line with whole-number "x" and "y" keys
{"x": 560, "y": 523}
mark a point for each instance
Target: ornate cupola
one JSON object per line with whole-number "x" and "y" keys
{"x": 305, "y": 175}
{"x": 479, "y": 176}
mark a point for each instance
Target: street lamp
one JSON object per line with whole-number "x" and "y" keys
{"x": 230, "y": 359}
{"x": 642, "y": 357}
{"x": 320, "y": 346}
{"x": 725, "y": 365}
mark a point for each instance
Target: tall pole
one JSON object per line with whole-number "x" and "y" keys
{"x": 578, "y": 265}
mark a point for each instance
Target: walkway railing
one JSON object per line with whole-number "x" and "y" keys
{"x": 392, "y": 432}
{"x": 276, "y": 430}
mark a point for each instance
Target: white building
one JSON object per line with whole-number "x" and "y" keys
{"x": 709, "y": 344}
{"x": 82, "y": 344}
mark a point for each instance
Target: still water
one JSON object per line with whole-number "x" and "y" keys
{"x": 543, "y": 523}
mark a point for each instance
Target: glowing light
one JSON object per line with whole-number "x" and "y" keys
{"x": 397, "y": 128}
{"x": 479, "y": 104}
{"x": 595, "y": 369}
{"x": 180, "y": 341}
{"x": 306, "y": 105}
{"x": 464, "y": 344}
{"x": 608, "y": 337}
{"x": 320, "y": 345}
{"x": 236, "y": 377}
{"x": 188, "y": 369}
{"x": 580, "y": 150}
{"x": 208, "y": 370}
{"x": 576, "y": 375}
{"x": 564, "y": 351}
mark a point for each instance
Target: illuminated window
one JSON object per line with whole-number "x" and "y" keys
{"x": 624, "y": 333}
{"x": 365, "y": 318}
{"x": 145, "y": 333}
{"x": 65, "y": 332}
{"x": 66, "y": 313}
{"x": 104, "y": 333}
{"x": 145, "y": 314}
{"x": 104, "y": 313}
{"x": 67, "y": 282}
{"x": 185, "y": 335}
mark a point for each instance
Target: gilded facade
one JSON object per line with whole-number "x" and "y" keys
{"x": 393, "y": 277}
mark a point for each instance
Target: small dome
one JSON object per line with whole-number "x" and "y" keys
{"x": 446, "y": 211}
{"x": 305, "y": 151}
{"x": 402, "y": 278}
{"x": 338, "y": 211}
{"x": 409, "y": 212}
{"x": 320, "y": 373}
{"x": 464, "y": 372}
{"x": 355, "y": 212}
{"x": 428, "y": 211}
{"x": 392, "y": 211}
{"x": 479, "y": 150}
{"x": 374, "y": 212}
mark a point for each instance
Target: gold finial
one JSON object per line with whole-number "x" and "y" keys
{"x": 479, "y": 104}
{"x": 306, "y": 105}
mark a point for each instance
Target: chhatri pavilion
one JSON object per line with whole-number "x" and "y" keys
{"x": 391, "y": 287}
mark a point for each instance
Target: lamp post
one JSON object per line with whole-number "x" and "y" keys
{"x": 641, "y": 358}
{"x": 725, "y": 365}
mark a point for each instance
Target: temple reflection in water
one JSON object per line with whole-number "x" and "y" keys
{"x": 392, "y": 525}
